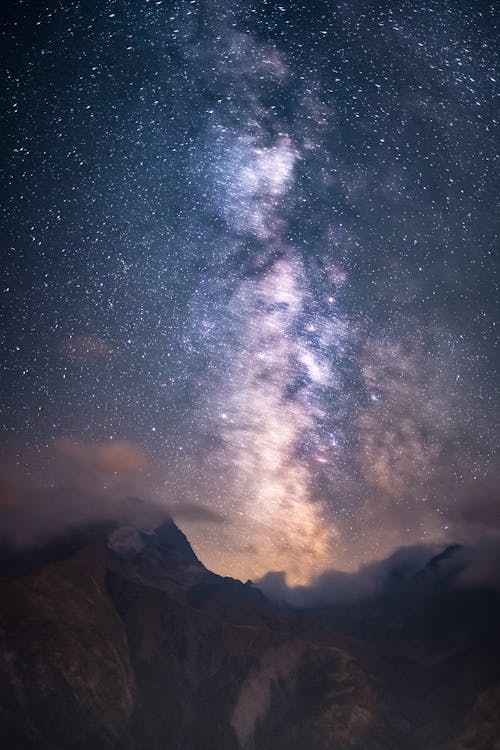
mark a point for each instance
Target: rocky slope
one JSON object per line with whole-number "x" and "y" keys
{"x": 434, "y": 649}
{"x": 115, "y": 638}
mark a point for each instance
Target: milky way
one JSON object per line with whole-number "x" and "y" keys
{"x": 259, "y": 243}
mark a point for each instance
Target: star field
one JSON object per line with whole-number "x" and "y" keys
{"x": 259, "y": 242}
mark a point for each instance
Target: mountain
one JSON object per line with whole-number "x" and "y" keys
{"x": 433, "y": 648}
{"x": 113, "y": 637}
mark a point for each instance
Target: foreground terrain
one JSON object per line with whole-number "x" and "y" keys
{"x": 113, "y": 638}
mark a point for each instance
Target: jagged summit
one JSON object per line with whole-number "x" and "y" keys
{"x": 449, "y": 552}
{"x": 121, "y": 537}
{"x": 170, "y": 539}
{"x": 166, "y": 539}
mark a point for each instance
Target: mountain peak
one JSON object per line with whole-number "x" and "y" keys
{"x": 172, "y": 540}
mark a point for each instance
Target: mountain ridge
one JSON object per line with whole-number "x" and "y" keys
{"x": 119, "y": 637}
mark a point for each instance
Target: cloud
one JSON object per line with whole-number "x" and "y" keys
{"x": 457, "y": 566}
{"x": 87, "y": 483}
{"x": 87, "y": 348}
{"x": 340, "y": 587}
{"x": 477, "y": 509}
{"x": 483, "y": 565}
{"x": 113, "y": 457}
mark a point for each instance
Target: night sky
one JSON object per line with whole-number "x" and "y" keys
{"x": 250, "y": 269}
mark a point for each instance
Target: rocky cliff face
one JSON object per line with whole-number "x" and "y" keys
{"x": 115, "y": 638}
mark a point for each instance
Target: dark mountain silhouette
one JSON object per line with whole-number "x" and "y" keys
{"x": 112, "y": 637}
